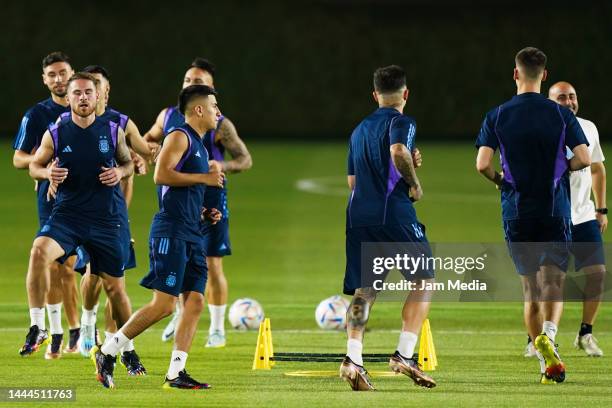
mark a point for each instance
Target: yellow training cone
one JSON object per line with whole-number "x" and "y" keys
{"x": 427, "y": 350}
{"x": 268, "y": 335}
{"x": 262, "y": 351}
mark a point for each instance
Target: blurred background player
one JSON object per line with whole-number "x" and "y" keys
{"x": 531, "y": 133}
{"x": 382, "y": 177}
{"x": 589, "y": 222}
{"x": 217, "y": 245}
{"x": 178, "y": 265}
{"x": 56, "y": 72}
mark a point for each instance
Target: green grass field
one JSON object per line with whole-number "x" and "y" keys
{"x": 288, "y": 249}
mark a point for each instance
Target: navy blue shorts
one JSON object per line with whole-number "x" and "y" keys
{"x": 534, "y": 242}
{"x": 176, "y": 266}
{"x": 102, "y": 243}
{"x": 587, "y": 245}
{"x": 409, "y": 239}
{"x": 44, "y": 210}
{"x": 216, "y": 238}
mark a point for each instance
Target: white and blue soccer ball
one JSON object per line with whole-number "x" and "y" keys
{"x": 245, "y": 314}
{"x": 331, "y": 313}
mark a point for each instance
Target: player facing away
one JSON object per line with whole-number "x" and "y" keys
{"x": 217, "y": 244}
{"x": 177, "y": 262}
{"x": 56, "y": 71}
{"x": 532, "y": 133}
{"x": 589, "y": 220}
{"x": 382, "y": 177}
{"x": 83, "y": 152}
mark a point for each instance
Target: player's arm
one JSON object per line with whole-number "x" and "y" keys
{"x": 175, "y": 145}
{"x": 598, "y": 173}
{"x": 402, "y": 159}
{"x": 351, "y": 181}
{"x": 135, "y": 140}
{"x": 581, "y": 158}
{"x": 156, "y": 133}
{"x": 21, "y": 159}
{"x": 241, "y": 158}
{"x": 38, "y": 166}
{"x": 112, "y": 176}
{"x": 484, "y": 165}
{"x": 25, "y": 140}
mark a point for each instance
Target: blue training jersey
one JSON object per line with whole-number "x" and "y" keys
{"x": 33, "y": 126}
{"x": 180, "y": 207}
{"x": 380, "y": 196}
{"x": 532, "y": 133}
{"x": 214, "y": 197}
{"x": 84, "y": 152}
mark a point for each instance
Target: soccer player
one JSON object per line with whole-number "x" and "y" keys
{"x": 382, "y": 177}
{"x": 217, "y": 141}
{"x": 178, "y": 266}
{"x": 86, "y": 213}
{"x": 589, "y": 220}
{"x": 56, "y": 71}
{"x": 532, "y": 133}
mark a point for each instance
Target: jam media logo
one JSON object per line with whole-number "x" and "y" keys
{"x": 103, "y": 144}
{"x": 171, "y": 280}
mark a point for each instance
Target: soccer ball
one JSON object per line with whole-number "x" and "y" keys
{"x": 331, "y": 313}
{"x": 245, "y": 314}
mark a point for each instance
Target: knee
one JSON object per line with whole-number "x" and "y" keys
{"x": 215, "y": 266}
{"x": 195, "y": 304}
{"x": 40, "y": 254}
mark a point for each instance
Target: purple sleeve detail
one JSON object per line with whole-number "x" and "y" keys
{"x": 114, "y": 133}
{"x": 167, "y": 117}
{"x": 181, "y": 162}
{"x": 164, "y": 191}
{"x": 123, "y": 121}
{"x": 53, "y": 129}
{"x": 65, "y": 116}
{"x": 560, "y": 159}
{"x": 216, "y": 152}
{"x": 502, "y": 153}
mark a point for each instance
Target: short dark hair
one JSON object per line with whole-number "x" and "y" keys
{"x": 192, "y": 92}
{"x": 83, "y": 75}
{"x": 56, "y": 56}
{"x": 389, "y": 79}
{"x": 531, "y": 61}
{"x": 97, "y": 69}
{"x": 203, "y": 64}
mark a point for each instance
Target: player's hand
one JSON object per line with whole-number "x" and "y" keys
{"x": 416, "y": 192}
{"x": 110, "y": 177}
{"x": 52, "y": 191}
{"x": 213, "y": 215}
{"x": 155, "y": 149}
{"x": 140, "y": 165}
{"x": 602, "y": 219}
{"x": 214, "y": 179}
{"x": 214, "y": 166}
{"x": 56, "y": 174}
{"x": 417, "y": 158}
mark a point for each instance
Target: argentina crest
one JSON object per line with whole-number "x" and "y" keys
{"x": 103, "y": 145}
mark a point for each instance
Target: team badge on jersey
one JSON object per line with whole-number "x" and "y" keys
{"x": 171, "y": 280}
{"x": 103, "y": 145}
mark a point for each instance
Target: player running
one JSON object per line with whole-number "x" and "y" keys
{"x": 178, "y": 266}
{"x": 381, "y": 175}
{"x": 589, "y": 222}
{"x": 87, "y": 211}
{"x": 217, "y": 245}
{"x": 532, "y": 133}
{"x": 56, "y": 71}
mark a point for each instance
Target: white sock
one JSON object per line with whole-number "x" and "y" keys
{"x": 217, "y": 318}
{"x": 177, "y": 364}
{"x": 108, "y": 336}
{"x": 129, "y": 346}
{"x": 37, "y": 317}
{"x": 407, "y": 343}
{"x": 88, "y": 317}
{"x": 55, "y": 318}
{"x": 353, "y": 350}
{"x": 550, "y": 329}
{"x": 112, "y": 347}
{"x": 542, "y": 362}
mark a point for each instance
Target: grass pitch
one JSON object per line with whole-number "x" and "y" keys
{"x": 288, "y": 249}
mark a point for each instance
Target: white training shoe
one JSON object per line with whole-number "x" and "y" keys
{"x": 87, "y": 339}
{"x": 530, "y": 350}
{"x": 170, "y": 328}
{"x": 216, "y": 339}
{"x": 588, "y": 343}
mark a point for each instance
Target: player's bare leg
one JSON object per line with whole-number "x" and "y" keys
{"x": 91, "y": 286}
{"x": 170, "y": 328}
{"x": 115, "y": 290}
{"x": 127, "y": 187}
{"x": 594, "y": 288}
{"x": 70, "y": 300}
{"x": 351, "y": 369}
{"x": 414, "y": 312}
{"x": 42, "y": 256}
{"x": 54, "y": 312}
{"x": 216, "y": 295}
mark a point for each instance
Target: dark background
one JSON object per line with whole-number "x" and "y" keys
{"x": 302, "y": 69}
